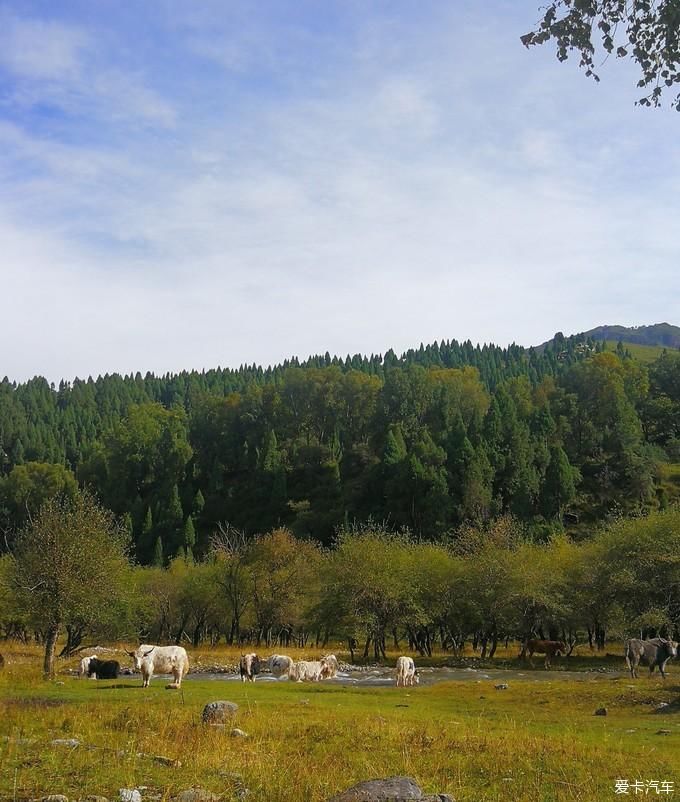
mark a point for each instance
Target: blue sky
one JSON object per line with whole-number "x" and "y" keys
{"x": 185, "y": 185}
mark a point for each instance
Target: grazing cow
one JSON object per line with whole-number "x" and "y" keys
{"x": 279, "y": 665}
{"x": 103, "y": 669}
{"x": 305, "y": 671}
{"x": 549, "y": 648}
{"x": 652, "y": 653}
{"x": 84, "y": 665}
{"x": 406, "y": 672}
{"x": 329, "y": 666}
{"x": 249, "y": 667}
{"x": 152, "y": 660}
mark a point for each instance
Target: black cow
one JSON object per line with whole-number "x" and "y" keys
{"x": 652, "y": 653}
{"x": 103, "y": 669}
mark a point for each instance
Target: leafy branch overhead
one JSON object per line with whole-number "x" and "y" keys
{"x": 645, "y": 31}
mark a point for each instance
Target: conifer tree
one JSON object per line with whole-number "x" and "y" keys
{"x": 189, "y": 538}
{"x": 158, "y": 559}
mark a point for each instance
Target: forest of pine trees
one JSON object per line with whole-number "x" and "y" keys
{"x": 445, "y": 435}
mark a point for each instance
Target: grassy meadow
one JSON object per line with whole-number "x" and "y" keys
{"x": 533, "y": 741}
{"x": 643, "y": 353}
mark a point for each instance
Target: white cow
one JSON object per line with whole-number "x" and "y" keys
{"x": 84, "y": 666}
{"x": 329, "y": 666}
{"x": 305, "y": 671}
{"x": 279, "y": 665}
{"x": 249, "y": 667}
{"x": 152, "y": 660}
{"x": 406, "y": 672}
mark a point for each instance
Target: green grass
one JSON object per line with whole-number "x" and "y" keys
{"x": 533, "y": 741}
{"x": 643, "y": 353}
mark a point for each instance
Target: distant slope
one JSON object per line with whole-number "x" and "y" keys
{"x": 663, "y": 334}
{"x": 645, "y": 343}
{"x": 643, "y": 353}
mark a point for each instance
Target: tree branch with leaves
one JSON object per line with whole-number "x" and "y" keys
{"x": 645, "y": 31}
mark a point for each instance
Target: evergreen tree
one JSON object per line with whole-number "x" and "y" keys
{"x": 189, "y": 538}
{"x": 158, "y": 559}
{"x": 559, "y": 487}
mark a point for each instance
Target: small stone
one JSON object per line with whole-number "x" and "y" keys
{"x": 71, "y": 743}
{"x": 503, "y": 686}
{"x": 601, "y": 711}
{"x": 663, "y": 732}
{"x": 304, "y": 701}
{"x": 197, "y": 795}
{"x": 167, "y": 761}
{"x": 55, "y": 798}
{"x": 129, "y": 795}
{"x": 237, "y": 733}
{"x": 218, "y": 712}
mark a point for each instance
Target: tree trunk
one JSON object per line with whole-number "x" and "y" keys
{"x": 50, "y": 646}
{"x": 494, "y": 646}
{"x": 73, "y": 640}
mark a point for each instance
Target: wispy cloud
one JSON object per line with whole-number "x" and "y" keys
{"x": 41, "y": 49}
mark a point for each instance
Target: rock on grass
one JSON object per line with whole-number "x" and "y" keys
{"x": 218, "y": 712}
{"x": 391, "y": 789}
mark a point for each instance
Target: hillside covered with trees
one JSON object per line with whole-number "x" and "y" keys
{"x": 442, "y": 437}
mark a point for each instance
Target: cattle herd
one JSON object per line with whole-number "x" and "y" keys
{"x": 149, "y": 660}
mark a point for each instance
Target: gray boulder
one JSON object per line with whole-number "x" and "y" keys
{"x": 391, "y": 789}
{"x": 129, "y": 795}
{"x": 218, "y": 712}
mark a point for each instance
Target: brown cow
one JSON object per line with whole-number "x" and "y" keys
{"x": 549, "y": 648}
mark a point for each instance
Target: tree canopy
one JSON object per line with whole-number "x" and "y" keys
{"x": 70, "y": 569}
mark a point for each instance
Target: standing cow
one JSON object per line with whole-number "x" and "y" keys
{"x": 549, "y": 648}
{"x": 305, "y": 671}
{"x": 329, "y": 666}
{"x": 249, "y": 667}
{"x": 280, "y": 665}
{"x": 152, "y": 660}
{"x": 406, "y": 672}
{"x": 652, "y": 653}
{"x": 84, "y": 666}
{"x": 102, "y": 669}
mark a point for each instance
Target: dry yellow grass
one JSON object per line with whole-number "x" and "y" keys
{"x": 533, "y": 741}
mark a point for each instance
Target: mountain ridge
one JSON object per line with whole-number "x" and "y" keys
{"x": 660, "y": 334}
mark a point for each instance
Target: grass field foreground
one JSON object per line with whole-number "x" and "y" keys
{"x": 532, "y": 741}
